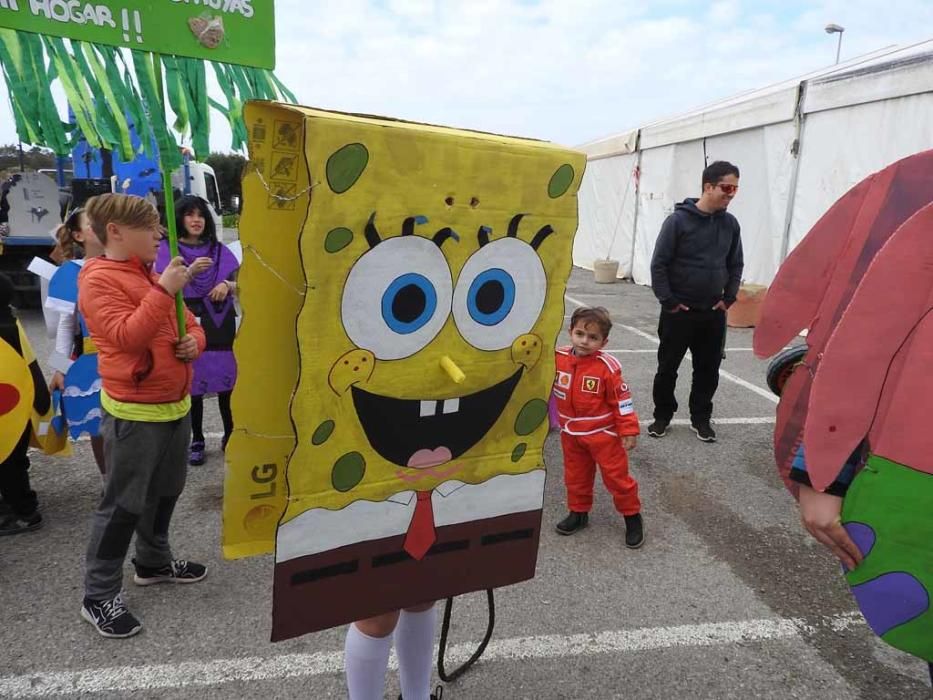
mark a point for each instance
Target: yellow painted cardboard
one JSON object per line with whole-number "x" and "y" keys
{"x": 409, "y": 172}
{"x": 402, "y": 290}
{"x": 271, "y": 290}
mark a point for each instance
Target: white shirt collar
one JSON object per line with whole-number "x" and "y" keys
{"x": 404, "y": 498}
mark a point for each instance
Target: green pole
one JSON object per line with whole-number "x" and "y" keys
{"x": 169, "y": 195}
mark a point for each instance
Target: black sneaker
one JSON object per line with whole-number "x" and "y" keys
{"x": 573, "y": 522}
{"x": 178, "y": 571}
{"x": 703, "y": 430}
{"x": 634, "y": 531}
{"x": 658, "y": 429}
{"x": 110, "y": 617}
{"x": 13, "y": 524}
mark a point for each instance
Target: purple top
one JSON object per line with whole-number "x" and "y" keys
{"x": 225, "y": 264}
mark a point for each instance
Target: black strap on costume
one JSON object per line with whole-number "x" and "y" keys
{"x": 445, "y": 628}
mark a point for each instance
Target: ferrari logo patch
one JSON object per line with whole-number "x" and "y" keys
{"x": 590, "y": 385}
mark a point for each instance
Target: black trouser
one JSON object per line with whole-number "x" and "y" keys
{"x": 14, "y": 479}
{"x": 701, "y": 332}
{"x": 197, "y": 415}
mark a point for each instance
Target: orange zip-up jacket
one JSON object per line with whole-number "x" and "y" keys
{"x": 133, "y": 324}
{"x": 591, "y": 395}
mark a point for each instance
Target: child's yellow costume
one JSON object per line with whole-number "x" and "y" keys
{"x": 17, "y": 393}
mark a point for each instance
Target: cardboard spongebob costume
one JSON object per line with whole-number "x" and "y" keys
{"x": 426, "y": 291}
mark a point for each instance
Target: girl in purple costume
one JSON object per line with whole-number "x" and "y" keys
{"x": 209, "y": 295}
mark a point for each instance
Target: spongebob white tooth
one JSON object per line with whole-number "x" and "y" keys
{"x": 428, "y": 408}
{"x": 451, "y": 405}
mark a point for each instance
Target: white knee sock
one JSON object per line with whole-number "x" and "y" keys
{"x": 414, "y": 646}
{"x": 366, "y": 659}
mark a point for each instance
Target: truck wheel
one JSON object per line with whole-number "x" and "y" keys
{"x": 782, "y": 365}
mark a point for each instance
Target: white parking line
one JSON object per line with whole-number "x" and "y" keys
{"x": 764, "y": 393}
{"x": 191, "y": 674}
{"x": 637, "y": 351}
{"x": 762, "y": 420}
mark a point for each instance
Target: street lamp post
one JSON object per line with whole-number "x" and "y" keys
{"x": 836, "y": 29}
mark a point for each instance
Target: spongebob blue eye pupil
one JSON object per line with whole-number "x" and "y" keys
{"x": 491, "y": 296}
{"x": 408, "y": 303}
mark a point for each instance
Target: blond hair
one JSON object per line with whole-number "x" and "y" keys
{"x": 122, "y": 209}
{"x": 67, "y": 247}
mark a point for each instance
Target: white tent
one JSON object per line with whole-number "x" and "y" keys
{"x": 799, "y": 144}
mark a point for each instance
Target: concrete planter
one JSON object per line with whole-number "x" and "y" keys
{"x": 746, "y": 311}
{"x": 605, "y": 271}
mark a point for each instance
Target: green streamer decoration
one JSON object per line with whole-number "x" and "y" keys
{"x": 107, "y": 93}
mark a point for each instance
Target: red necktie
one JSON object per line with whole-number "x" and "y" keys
{"x": 421, "y": 534}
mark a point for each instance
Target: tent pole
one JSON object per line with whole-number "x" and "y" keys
{"x": 797, "y": 150}
{"x": 637, "y": 204}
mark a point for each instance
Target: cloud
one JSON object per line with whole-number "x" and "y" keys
{"x": 563, "y": 71}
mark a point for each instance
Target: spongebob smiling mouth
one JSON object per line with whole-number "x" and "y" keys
{"x": 425, "y": 434}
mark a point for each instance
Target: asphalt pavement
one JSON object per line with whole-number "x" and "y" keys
{"x": 729, "y": 598}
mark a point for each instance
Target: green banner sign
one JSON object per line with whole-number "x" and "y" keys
{"x": 240, "y": 32}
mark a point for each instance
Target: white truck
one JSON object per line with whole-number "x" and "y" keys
{"x": 31, "y": 209}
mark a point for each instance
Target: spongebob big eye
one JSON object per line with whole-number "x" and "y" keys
{"x": 397, "y": 297}
{"x": 500, "y": 294}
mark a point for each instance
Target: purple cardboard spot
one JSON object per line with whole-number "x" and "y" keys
{"x": 862, "y": 535}
{"x": 891, "y": 600}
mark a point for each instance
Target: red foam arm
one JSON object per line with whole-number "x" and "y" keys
{"x": 896, "y": 292}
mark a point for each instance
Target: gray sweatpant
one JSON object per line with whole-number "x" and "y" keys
{"x": 146, "y": 468}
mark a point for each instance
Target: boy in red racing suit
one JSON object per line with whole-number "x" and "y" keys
{"x": 598, "y": 425}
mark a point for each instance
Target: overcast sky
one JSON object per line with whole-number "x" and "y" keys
{"x": 568, "y": 71}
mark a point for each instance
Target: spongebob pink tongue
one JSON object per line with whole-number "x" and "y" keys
{"x": 422, "y": 459}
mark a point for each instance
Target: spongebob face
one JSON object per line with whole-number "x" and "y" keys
{"x": 398, "y": 298}
{"x": 435, "y": 262}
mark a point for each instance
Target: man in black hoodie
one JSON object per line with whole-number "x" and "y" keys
{"x": 696, "y": 271}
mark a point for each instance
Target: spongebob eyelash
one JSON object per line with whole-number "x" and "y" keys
{"x": 373, "y": 238}
{"x": 372, "y": 235}
{"x": 513, "y": 225}
{"x": 408, "y": 226}
{"x": 408, "y": 229}
{"x": 542, "y": 233}
{"x": 445, "y": 233}
{"x": 482, "y": 234}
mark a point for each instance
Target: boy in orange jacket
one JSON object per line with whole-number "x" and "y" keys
{"x": 145, "y": 370}
{"x": 598, "y": 425}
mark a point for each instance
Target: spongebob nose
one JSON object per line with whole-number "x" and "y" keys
{"x": 455, "y": 373}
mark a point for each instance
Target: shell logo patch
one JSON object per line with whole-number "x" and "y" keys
{"x": 563, "y": 380}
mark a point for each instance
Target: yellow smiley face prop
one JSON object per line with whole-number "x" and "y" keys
{"x": 422, "y": 273}
{"x": 16, "y": 397}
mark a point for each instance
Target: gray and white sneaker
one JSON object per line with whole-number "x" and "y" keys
{"x": 111, "y": 617}
{"x": 703, "y": 430}
{"x": 176, "y": 571}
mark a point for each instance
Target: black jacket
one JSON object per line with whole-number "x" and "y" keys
{"x": 697, "y": 259}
